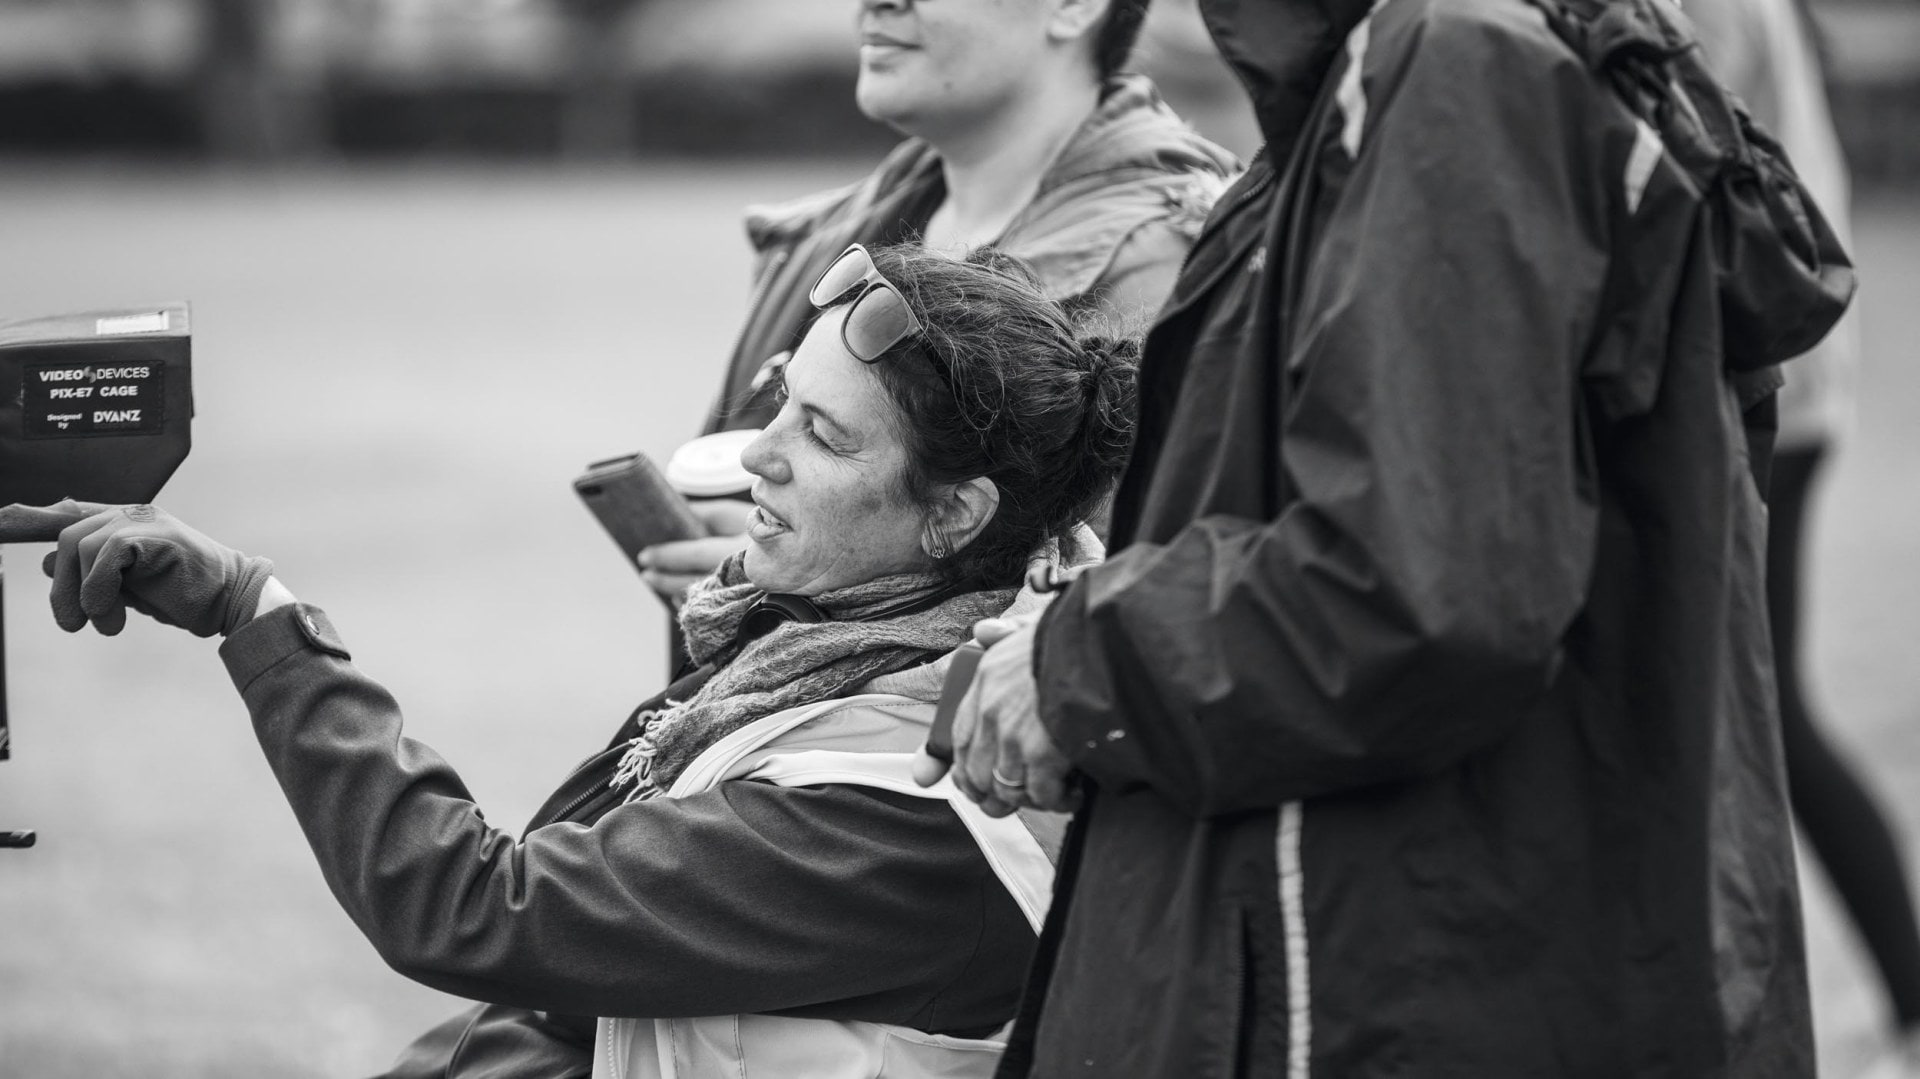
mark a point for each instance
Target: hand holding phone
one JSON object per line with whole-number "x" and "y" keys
{"x": 966, "y": 660}
{"x": 710, "y": 472}
{"x": 672, "y": 567}
{"x": 636, "y": 505}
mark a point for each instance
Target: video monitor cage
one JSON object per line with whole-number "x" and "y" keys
{"x": 96, "y": 406}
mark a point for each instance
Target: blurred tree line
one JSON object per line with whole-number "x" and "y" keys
{"x": 290, "y": 80}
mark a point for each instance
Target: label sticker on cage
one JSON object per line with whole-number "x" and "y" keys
{"x": 146, "y": 322}
{"x": 79, "y": 400}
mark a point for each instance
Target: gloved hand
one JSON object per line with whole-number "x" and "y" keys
{"x": 114, "y": 557}
{"x": 38, "y": 524}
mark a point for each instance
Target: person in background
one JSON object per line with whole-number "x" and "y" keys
{"x": 1024, "y": 133}
{"x": 745, "y": 881}
{"x": 1424, "y": 713}
{"x": 1765, "y": 52}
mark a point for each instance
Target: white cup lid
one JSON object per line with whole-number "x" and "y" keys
{"x": 709, "y": 466}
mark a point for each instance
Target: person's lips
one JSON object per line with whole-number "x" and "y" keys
{"x": 764, "y": 524}
{"x": 878, "y": 46}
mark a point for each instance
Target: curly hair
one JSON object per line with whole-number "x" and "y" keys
{"x": 1000, "y": 384}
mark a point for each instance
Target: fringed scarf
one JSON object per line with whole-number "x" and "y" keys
{"x": 797, "y": 663}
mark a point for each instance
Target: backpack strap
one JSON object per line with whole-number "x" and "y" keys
{"x": 1010, "y": 848}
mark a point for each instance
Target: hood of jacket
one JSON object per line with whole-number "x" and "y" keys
{"x": 1782, "y": 276}
{"x": 1281, "y": 51}
{"x": 1131, "y": 129}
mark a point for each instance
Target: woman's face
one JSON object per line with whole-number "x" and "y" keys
{"x": 932, "y": 66}
{"x": 830, "y": 476}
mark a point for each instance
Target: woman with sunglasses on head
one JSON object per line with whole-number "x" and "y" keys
{"x": 746, "y": 880}
{"x": 1024, "y": 134}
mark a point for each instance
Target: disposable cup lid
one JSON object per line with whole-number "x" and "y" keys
{"x": 709, "y": 466}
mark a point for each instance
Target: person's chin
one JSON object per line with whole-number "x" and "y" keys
{"x": 882, "y": 99}
{"x": 762, "y": 570}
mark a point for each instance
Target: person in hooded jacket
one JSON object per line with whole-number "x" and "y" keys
{"x": 1423, "y": 718}
{"x": 1024, "y": 133}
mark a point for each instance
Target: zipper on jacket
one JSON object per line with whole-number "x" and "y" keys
{"x": 615, "y": 1066}
{"x": 582, "y": 799}
{"x": 1217, "y": 221}
{"x": 684, "y": 686}
{"x": 567, "y": 811}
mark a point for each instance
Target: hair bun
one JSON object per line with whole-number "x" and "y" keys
{"x": 1112, "y": 366}
{"x": 1104, "y": 351}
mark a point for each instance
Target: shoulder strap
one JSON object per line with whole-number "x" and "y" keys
{"x": 1016, "y": 856}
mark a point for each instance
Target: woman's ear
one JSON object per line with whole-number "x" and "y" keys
{"x": 1075, "y": 19}
{"x": 966, "y": 508}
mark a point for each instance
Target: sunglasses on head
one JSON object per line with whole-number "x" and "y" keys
{"x": 877, "y": 316}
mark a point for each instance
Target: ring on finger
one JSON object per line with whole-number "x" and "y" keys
{"x": 1013, "y": 784}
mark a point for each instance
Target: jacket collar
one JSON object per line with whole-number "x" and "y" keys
{"x": 1281, "y": 50}
{"x": 1133, "y": 128}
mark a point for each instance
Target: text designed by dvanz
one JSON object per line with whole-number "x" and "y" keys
{"x": 77, "y": 400}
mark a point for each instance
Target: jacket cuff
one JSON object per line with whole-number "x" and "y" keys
{"x": 264, "y": 642}
{"x": 1071, "y": 740}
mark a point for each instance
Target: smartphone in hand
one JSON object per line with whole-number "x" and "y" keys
{"x": 959, "y": 679}
{"x": 636, "y": 505}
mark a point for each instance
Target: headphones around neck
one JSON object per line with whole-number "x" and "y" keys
{"x": 774, "y": 609}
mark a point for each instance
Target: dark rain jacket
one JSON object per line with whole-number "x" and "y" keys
{"x": 1105, "y": 233}
{"x": 1426, "y": 704}
{"x": 842, "y": 900}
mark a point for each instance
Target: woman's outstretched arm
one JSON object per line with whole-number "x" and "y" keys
{"x": 833, "y": 901}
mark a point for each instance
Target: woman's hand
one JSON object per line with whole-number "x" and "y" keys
{"x": 671, "y": 568}
{"x": 114, "y": 557}
{"x": 1003, "y": 756}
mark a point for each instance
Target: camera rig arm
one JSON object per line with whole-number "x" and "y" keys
{"x": 7, "y": 839}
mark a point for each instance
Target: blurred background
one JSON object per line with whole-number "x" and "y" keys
{"x": 442, "y": 254}
{"x": 304, "y": 80}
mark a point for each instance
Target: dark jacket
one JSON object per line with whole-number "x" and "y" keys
{"x": 736, "y": 899}
{"x": 1426, "y": 701}
{"x": 1106, "y": 231}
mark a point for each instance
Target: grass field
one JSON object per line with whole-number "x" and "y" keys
{"x": 397, "y": 374}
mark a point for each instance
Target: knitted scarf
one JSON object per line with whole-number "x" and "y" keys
{"x": 798, "y": 663}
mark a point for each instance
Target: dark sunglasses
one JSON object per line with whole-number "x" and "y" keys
{"x": 878, "y": 317}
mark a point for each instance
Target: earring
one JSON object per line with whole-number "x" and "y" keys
{"x": 937, "y": 545}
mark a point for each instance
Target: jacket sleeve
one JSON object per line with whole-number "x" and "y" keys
{"x": 1407, "y": 604}
{"x": 746, "y": 898}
